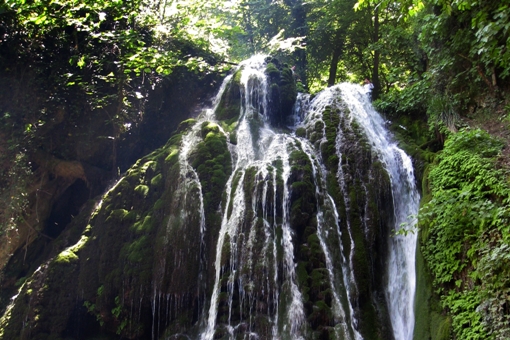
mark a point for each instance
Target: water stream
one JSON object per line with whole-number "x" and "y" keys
{"x": 401, "y": 281}
{"x": 257, "y": 291}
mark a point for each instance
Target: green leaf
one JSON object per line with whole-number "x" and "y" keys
{"x": 40, "y": 19}
{"x": 81, "y": 62}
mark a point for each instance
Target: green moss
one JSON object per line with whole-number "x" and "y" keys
{"x": 282, "y": 92}
{"x": 173, "y": 156}
{"x": 133, "y": 172}
{"x": 144, "y": 226}
{"x": 209, "y": 129}
{"x": 117, "y": 215}
{"x": 230, "y": 102}
{"x": 185, "y": 125}
{"x": 273, "y": 72}
{"x": 160, "y": 203}
{"x": 157, "y": 180}
{"x": 303, "y": 279}
{"x": 229, "y": 125}
{"x": 331, "y": 118}
{"x": 142, "y": 190}
{"x": 233, "y": 137}
{"x": 237, "y": 76}
{"x": 319, "y": 127}
{"x": 423, "y": 314}
{"x": 225, "y": 251}
{"x": 314, "y": 244}
{"x": 137, "y": 250}
{"x": 67, "y": 256}
{"x": 288, "y": 91}
{"x": 153, "y": 165}
{"x": 131, "y": 216}
{"x": 303, "y": 199}
{"x": 249, "y": 184}
{"x": 301, "y": 132}
{"x": 318, "y": 278}
{"x": 441, "y": 327}
{"x": 212, "y": 161}
{"x": 255, "y": 124}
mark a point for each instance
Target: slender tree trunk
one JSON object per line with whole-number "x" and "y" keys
{"x": 333, "y": 67}
{"x": 299, "y": 28}
{"x": 249, "y": 29}
{"x": 375, "y": 72}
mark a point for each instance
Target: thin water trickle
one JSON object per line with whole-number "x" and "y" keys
{"x": 330, "y": 98}
{"x": 295, "y": 314}
{"x": 338, "y": 308}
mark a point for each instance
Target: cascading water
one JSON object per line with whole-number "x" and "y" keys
{"x": 256, "y": 278}
{"x": 261, "y": 156}
{"x": 243, "y": 228}
{"x": 325, "y": 99}
{"x": 256, "y": 153}
{"x": 400, "y": 287}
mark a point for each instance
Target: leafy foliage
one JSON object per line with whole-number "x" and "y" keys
{"x": 466, "y": 224}
{"x": 67, "y": 63}
{"x": 480, "y": 32}
{"x": 466, "y": 43}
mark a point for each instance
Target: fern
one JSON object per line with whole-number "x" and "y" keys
{"x": 467, "y": 227}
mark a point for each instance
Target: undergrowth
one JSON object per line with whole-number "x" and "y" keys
{"x": 467, "y": 235}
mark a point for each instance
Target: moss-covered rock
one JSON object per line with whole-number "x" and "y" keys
{"x": 363, "y": 201}
{"x": 143, "y": 264}
{"x": 229, "y": 107}
{"x": 302, "y": 194}
{"x": 128, "y": 248}
{"x": 212, "y": 160}
{"x": 282, "y": 92}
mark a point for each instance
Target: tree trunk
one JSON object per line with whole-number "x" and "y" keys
{"x": 299, "y": 28}
{"x": 333, "y": 67}
{"x": 375, "y": 73}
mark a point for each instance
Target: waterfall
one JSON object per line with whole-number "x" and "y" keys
{"x": 255, "y": 152}
{"x": 254, "y": 221}
{"x": 257, "y": 291}
{"x": 400, "y": 287}
{"x": 327, "y": 98}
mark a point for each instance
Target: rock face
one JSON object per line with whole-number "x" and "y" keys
{"x": 231, "y": 230}
{"x": 71, "y": 150}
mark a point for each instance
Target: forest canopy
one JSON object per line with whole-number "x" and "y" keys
{"x": 405, "y": 47}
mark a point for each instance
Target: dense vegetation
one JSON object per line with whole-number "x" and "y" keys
{"x": 76, "y": 78}
{"x": 466, "y": 235}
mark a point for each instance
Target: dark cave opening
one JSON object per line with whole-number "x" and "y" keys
{"x": 66, "y": 208}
